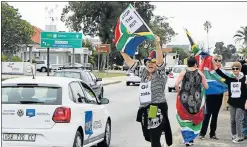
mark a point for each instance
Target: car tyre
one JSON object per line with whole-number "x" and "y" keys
{"x": 43, "y": 69}
{"x": 127, "y": 83}
{"x": 107, "y": 139}
{"x": 78, "y": 142}
{"x": 169, "y": 89}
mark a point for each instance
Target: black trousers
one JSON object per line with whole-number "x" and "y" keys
{"x": 213, "y": 104}
{"x": 153, "y": 135}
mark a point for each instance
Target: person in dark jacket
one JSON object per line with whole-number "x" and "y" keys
{"x": 237, "y": 98}
{"x": 213, "y": 104}
{"x": 244, "y": 71}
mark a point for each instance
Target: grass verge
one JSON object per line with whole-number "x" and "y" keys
{"x": 108, "y": 75}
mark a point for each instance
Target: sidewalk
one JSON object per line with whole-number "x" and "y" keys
{"x": 223, "y": 133}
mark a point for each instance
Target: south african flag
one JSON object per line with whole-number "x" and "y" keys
{"x": 131, "y": 31}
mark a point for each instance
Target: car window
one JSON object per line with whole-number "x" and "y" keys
{"x": 89, "y": 94}
{"x": 93, "y": 76}
{"x": 85, "y": 77}
{"x": 34, "y": 94}
{"x": 76, "y": 90}
{"x": 178, "y": 69}
{"x": 89, "y": 77}
{"x": 69, "y": 74}
{"x": 40, "y": 62}
{"x": 71, "y": 95}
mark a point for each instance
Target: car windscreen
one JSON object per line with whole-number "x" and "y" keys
{"x": 178, "y": 69}
{"x": 38, "y": 95}
{"x": 68, "y": 74}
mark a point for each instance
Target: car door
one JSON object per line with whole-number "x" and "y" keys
{"x": 83, "y": 112}
{"x": 99, "y": 118}
{"x": 98, "y": 83}
{"x": 92, "y": 83}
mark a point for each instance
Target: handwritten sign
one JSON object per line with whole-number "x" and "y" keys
{"x": 130, "y": 20}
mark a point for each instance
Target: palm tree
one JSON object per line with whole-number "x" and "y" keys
{"x": 207, "y": 25}
{"x": 241, "y": 35}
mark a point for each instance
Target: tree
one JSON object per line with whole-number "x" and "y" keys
{"x": 241, "y": 35}
{"x": 88, "y": 44}
{"x": 160, "y": 27}
{"x": 15, "y": 31}
{"x": 99, "y": 18}
{"x": 207, "y": 26}
{"x": 228, "y": 53}
{"x": 182, "y": 54}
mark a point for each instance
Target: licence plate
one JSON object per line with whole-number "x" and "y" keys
{"x": 19, "y": 137}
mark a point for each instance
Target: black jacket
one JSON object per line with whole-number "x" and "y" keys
{"x": 166, "y": 125}
{"x": 244, "y": 67}
{"x": 235, "y": 102}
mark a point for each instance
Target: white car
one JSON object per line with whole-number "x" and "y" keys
{"x": 41, "y": 65}
{"x": 172, "y": 77}
{"x": 132, "y": 78}
{"x": 53, "y": 112}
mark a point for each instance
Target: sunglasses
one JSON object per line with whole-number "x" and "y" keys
{"x": 151, "y": 61}
{"x": 217, "y": 60}
{"x": 235, "y": 68}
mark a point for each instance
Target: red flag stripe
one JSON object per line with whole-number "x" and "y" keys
{"x": 117, "y": 32}
{"x": 185, "y": 115}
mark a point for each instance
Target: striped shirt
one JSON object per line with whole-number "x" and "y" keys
{"x": 158, "y": 82}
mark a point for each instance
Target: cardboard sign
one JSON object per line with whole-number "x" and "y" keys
{"x": 131, "y": 20}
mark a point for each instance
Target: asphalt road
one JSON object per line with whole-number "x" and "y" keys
{"x": 123, "y": 106}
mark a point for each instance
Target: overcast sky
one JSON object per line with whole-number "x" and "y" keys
{"x": 226, "y": 18}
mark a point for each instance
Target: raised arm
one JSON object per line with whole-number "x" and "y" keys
{"x": 204, "y": 80}
{"x": 159, "y": 52}
{"x": 219, "y": 72}
{"x": 128, "y": 60}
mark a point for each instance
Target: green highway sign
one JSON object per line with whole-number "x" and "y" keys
{"x": 61, "y": 40}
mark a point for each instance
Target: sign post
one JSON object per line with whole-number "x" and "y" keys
{"x": 60, "y": 40}
{"x": 48, "y": 61}
{"x": 103, "y": 49}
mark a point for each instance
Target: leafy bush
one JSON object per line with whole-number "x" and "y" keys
{"x": 15, "y": 59}
{"x": 4, "y": 58}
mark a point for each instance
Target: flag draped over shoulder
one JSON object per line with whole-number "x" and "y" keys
{"x": 215, "y": 82}
{"x": 131, "y": 31}
{"x": 191, "y": 123}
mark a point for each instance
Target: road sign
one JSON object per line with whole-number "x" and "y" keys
{"x": 103, "y": 48}
{"x": 61, "y": 40}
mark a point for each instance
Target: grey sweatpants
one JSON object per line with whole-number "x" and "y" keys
{"x": 237, "y": 118}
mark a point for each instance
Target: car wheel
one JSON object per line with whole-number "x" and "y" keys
{"x": 127, "y": 83}
{"x": 169, "y": 89}
{"x": 43, "y": 69}
{"x": 78, "y": 140}
{"x": 107, "y": 139}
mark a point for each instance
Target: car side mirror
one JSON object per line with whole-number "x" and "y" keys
{"x": 104, "y": 101}
{"x": 99, "y": 79}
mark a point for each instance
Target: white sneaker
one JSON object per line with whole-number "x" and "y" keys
{"x": 234, "y": 137}
{"x": 237, "y": 140}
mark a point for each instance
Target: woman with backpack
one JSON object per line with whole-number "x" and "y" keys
{"x": 190, "y": 103}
